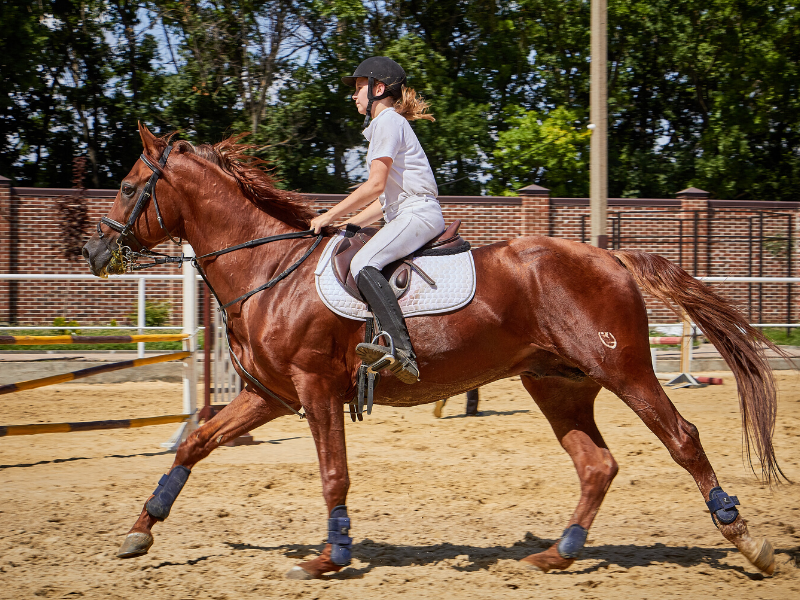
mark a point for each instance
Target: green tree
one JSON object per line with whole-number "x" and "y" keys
{"x": 549, "y": 150}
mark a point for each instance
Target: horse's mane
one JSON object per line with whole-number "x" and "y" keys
{"x": 251, "y": 174}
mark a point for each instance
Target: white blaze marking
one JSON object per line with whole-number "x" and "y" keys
{"x": 608, "y": 339}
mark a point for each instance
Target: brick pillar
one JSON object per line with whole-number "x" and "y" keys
{"x": 8, "y": 234}
{"x": 694, "y": 213}
{"x": 535, "y": 210}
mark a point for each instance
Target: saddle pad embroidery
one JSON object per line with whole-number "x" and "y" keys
{"x": 455, "y": 286}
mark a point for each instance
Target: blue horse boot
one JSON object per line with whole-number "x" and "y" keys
{"x": 338, "y": 530}
{"x": 169, "y": 486}
{"x": 572, "y": 541}
{"x": 722, "y": 506}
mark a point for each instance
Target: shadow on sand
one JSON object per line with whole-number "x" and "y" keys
{"x": 378, "y": 554}
{"x": 159, "y": 453}
{"x": 487, "y": 413}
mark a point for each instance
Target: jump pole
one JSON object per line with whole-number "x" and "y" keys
{"x": 32, "y": 384}
{"x": 189, "y": 345}
{"x": 37, "y": 428}
{"x": 47, "y": 340}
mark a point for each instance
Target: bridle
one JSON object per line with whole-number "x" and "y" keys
{"x": 126, "y": 254}
{"x": 127, "y": 257}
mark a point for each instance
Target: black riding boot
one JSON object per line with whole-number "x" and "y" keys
{"x": 381, "y": 299}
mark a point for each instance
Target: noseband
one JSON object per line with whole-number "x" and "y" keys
{"x": 128, "y": 246}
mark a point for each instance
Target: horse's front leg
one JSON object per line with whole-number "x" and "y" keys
{"x": 325, "y": 416}
{"x": 246, "y": 412}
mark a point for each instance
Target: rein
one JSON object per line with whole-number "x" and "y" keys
{"x": 127, "y": 257}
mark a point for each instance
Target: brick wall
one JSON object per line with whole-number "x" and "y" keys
{"x": 717, "y": 237}
{"x": 31, "y": 244}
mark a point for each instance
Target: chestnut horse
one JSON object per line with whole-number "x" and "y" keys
{"x": 566, "y": 317}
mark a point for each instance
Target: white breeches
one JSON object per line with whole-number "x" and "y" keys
{"x": 406, "y": 230}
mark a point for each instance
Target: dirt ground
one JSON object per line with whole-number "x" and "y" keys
{"x": 440, "y": 508}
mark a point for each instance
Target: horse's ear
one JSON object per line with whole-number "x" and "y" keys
{"x": 148, "y": 140}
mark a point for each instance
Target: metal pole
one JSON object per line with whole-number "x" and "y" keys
{"x": 761, "y": 266}
{"x": 750, "y": 271}
{"x": 686, "y": 345}
{"x": 142, "y": 318}
{"x": 696, "y": 235}
{"x": 207, "y": 341}
{"x": 189, "y": 307}
{"x": 190, "y": 328}
{"x": 598, "y": 170}
{"x": 789, "y": 242}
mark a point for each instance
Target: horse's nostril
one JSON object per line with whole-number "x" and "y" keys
{"x": 85, "y": 253}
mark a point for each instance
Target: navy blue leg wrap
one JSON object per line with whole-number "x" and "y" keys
{"x": 341, "y": 543}
{"x": 169, "y": 486}
{"x": 572, "y": 541}
{"x": 722, "y": 506}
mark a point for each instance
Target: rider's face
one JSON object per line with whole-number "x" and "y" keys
{"x": 360, "y": 95}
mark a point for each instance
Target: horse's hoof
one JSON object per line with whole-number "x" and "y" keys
{"x": 762, "y": 556}
{"x": 299, "y": 573}
{"x": 135, "y": 544}
{"x": 532, "y": 567}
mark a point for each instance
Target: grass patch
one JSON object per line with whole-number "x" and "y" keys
{"x": 781, "y": 337}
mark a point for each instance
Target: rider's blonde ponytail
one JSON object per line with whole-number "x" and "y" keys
{"x": 412, "y": 106}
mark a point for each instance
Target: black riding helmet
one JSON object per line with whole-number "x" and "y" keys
{"x": 378, "y": 68}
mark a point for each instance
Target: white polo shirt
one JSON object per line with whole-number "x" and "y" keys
{"x": 390, "y": 135}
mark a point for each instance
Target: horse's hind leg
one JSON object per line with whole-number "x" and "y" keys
{"x": 569, "y": 407}
{"x": 644, "y": 394}
{"x": 246, "y": 412}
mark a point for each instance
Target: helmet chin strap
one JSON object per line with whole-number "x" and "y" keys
{"x": 372, "y": 97}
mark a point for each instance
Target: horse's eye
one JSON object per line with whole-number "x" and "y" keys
{"x": 127, "y": 189}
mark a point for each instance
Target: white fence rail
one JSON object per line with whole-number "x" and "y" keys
{"x": 226, "y": 382}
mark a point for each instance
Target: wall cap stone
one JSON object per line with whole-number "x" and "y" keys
{"x": 35, "y": 192}
{"x": 652, "y": 202}
{"x": 692, "y": 192}
{"x": 754, "y": 204}
{"x": 534, "y": 190}
{"x": 508, "y": 200}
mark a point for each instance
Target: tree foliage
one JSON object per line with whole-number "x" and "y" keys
{"x": 699, "y": 94}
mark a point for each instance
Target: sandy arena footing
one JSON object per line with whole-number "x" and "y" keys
{"x": 441, "y": 508}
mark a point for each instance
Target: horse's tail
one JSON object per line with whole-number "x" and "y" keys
{"x": 741, "y": 346}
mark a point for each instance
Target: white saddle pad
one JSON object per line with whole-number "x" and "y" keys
{"x": 454, "y": 276}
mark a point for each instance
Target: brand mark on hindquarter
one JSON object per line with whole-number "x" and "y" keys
{"x": 608, "y": 339}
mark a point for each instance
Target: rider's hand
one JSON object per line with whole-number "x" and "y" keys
{"x": 323, "y": 220}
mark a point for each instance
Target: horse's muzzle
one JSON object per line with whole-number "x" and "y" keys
{"x": 97, "y": 254}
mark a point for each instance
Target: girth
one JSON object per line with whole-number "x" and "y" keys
{"x": 397, "y": 273}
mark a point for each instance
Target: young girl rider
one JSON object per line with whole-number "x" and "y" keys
{"x": 402, "y": 189}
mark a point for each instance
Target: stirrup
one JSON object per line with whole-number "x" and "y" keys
{"x": 375, "y": 356}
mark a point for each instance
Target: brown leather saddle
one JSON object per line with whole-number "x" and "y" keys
{"x": 398, "y": 273}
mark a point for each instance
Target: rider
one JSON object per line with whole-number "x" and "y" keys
{"x": 401, "y": 179}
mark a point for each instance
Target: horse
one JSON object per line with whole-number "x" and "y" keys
{"x": 567, "y": 318}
